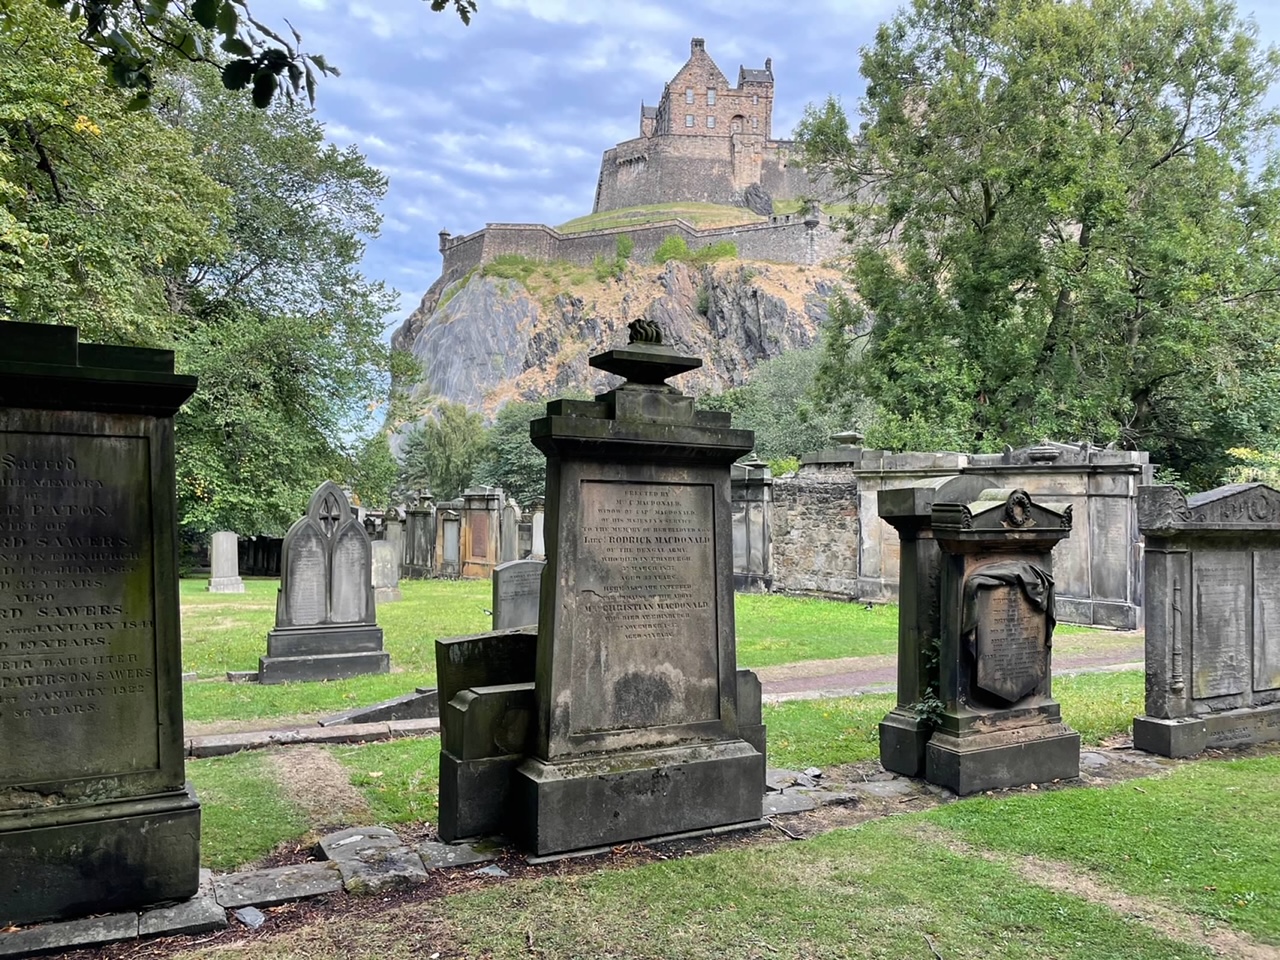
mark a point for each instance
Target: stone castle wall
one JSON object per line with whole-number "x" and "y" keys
{"x": 785, "y": 239}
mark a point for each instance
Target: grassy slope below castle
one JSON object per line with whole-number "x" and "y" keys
{"x": 702, "y": 215}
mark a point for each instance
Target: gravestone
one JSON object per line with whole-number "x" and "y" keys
{"x": 393, "y": 533}
{"x": 224, "y": 562}
{"x": 509, "y": 538}
{"x": 517, "y": 587}
{"x": 386, "y": 571}
{"x": 1213, "y": 618}
{"x": 537, "y": 536}
{"x": 636, "y": 692}
{"x": 999, "y": 724}
{"x": 905, "y": 730}
{"x": 420, "y": 540}
{"x": 449, "y": 548}
{"x": 326, "y": 622}
{"x": 481, "y": 519}
{"x": 752, "y": 487}
{"x": 95, "y": 813}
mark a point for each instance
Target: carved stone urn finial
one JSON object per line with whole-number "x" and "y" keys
{"x": 644, "y": 330}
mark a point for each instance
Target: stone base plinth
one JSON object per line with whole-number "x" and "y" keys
{"x": 386, "y": 594}
{"x": 323, "y": 653}
{"x": 86, "y": 859}
{"x": 474, "y": 795}
{"x": 1008, "y": 758}
{"x": 226, "y": 585}
{"x": 578, "y": 804}
{"x": 903, "y": 737}
{"x": 752, "y": 582}
{"x": 1187, "y": 736}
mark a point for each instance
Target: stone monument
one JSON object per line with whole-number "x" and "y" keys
{"x": 517, "y": 586}
{"x": 224, "y": 555}
{"x": 752, "y": 484}
{"x": 95, "y": 813}
{"x": 326, "y": 620}
{"x": 449, "y": 539}
{"x": 636, "y": 691}
{"x": 999, "y": 724}
{"x": 509, "y": 537}
{"x": 1213, "y": 618}
{"x": 386, "y": 571}
{"x": 481, "y": 518}
{"x": 537, "y": 535}
{"x": 420, "y": 539}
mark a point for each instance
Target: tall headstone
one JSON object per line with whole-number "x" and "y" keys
{"x": 95, "y": 812}
{"x": 1213, "y": 618}
{"x": 517, "y": 587}
{"x": 538, "y": 540}
{"x": 393, "y": 533}
{"x": 420, "y": 539}
{"x": 999, "y": 724}
{"x": 638, "y": 729}
{"x": 449, "y": 544}
{"x": 224, "y": 561}
{"x": 509, "y": 537}
{"x": 752, "y": 485}
{"x": 905, "y": 730}
{"x": 386, "y": 571}
{"x": 326, "y": 620}
{"x": 481, "y": 518}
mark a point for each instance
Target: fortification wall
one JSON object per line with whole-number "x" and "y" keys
{"x": 786, "y": 239}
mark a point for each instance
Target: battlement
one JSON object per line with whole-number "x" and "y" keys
{"x": 808, "y": 238}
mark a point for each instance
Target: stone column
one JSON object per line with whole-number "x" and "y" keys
{"x": 224, "y": 557}
{"x": 509, "y": 538}
{"x": 647, "y": 740}
{"x": 999, "y": 725}
{"x": 539, "y": 542}
{"x": 95, "y": 813}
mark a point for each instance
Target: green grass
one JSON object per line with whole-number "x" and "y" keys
{"x": 399, "y": 779}
{"x": 776, "y": 629}
{"x": 870, "y": 892}
{"x": 1203, "y": 838}
{"x": 1101, "y": 705}
{"x": 244, "y": 812}
{"x": 703, "y": 215}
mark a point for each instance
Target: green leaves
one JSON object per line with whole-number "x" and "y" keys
{"x": 205, "y": 12}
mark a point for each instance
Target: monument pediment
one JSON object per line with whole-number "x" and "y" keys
{"x": 1236, "y": 506}
{"x": 1000, "y": 511}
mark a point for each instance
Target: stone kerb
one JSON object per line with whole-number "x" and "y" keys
{"x": 1212, "y": 602}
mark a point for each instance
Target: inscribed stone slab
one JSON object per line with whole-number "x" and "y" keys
{"x": 1011, "y": 652}
{"x": 308, "y": 575}
{"x": 77, "y": 628}
{"x": 1266, "y": 620}
{"x": 1220, "y": 617}
{"x": 645, "y": 594}
{"x": 349, "y": 590}
{"x": 517, "y": 586}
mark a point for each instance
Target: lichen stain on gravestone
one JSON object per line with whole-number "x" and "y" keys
{"x": 640, "y": 698}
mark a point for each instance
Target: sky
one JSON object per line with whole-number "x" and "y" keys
{"x": 505, "y": 120}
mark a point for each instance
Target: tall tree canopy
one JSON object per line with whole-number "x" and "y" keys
{"x": 1064, "y": 225}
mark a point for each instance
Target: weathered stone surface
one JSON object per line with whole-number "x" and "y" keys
{"x": 251, "y": 917}
{"x": 326, "y": 621}
{"x": 224, "y": 556}
{"x": 776, "y": 804}
{"x": 419, "y": 705}
{"x": 200, "y": 914}
{"x": 373, "y": 860}
{"x": 69, "y": 934}
{"x": 436, "y": 856}
{"x": 756, "y": 199}
{"x": 517, "y": 587}
{"x": 266, "y": 888}
{"x": 1213, "y": 627}
{"x": 386, "y": 571}
{"x": 94, "y": 813}
{"x": 484, "y": 659}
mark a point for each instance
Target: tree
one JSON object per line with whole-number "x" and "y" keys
{"x": 510, "y": 459}
{"x": 99, "y": 207}
{"x": 776, "y": 403}
{"x": 1064, "y": 224}
{"x": 443, "y": 451}
{"x": 134, "y": 39}
{"x": 281, "y": 327}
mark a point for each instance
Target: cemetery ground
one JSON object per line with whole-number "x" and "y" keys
{"x": 1157, "y": 858}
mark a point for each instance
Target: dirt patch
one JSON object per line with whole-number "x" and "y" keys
{"x": 826, "y": 668}
{"x": 1061, "y": 877}
{"x": 319, "y": 785}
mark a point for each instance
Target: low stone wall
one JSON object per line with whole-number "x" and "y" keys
{"x": 814, "y": 529}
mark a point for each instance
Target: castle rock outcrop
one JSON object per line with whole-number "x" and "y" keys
{"x": 485, "y": 339}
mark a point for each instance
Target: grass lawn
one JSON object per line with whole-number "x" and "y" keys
{"x": 702, "y": 215}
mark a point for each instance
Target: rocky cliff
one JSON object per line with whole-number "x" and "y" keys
{"x": 524, "y": 331}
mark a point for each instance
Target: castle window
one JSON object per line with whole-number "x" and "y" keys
{"x": 755, "y": 123}
{"x": 688, "y": 119}
{"x": 711, "y": 97}
{"x": 755, "y": 99}
{"x": 688, "y": 94}
{"x": 711, "y": 122}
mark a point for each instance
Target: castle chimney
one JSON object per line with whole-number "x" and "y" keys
{"x": 696, "y": 44}
{"x": 768, "y": 64}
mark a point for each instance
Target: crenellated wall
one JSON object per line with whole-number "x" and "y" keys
{"x": 791, "y": 238}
